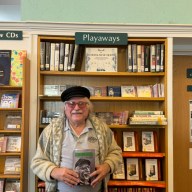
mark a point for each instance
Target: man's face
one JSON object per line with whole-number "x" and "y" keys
{"x": 84, "y": 172}
{"x": 77, "y": 110}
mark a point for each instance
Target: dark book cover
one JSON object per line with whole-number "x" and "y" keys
{"x": 42, "y": 56}
{"x": 84, "y": 164}
{"x": 5, "y": 66}
{"x": 114, "y": 91}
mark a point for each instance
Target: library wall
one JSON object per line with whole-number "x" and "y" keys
{"x": 181, "y": 144}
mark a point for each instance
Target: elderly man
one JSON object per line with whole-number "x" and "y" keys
{"x": 77, "y": 129}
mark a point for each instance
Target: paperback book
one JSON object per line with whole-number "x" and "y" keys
{"x": 5, "y": 66}
{"x": 3, "y": 143}
{"x": 132, "y": 168}
{"x": 10, "y": 100}
{"x": 101, "y": 59}
{"x": 12, "y": 185}
{"x": 1, "y": 184}
{"x": 14, "y": 144}
{"x": 84, "y": 164}
{"x": 120, "y": 172}
{"x": 13, "y": 122}
{"x": 12, "y": 165}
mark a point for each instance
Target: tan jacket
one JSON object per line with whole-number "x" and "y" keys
{"x": 48, "y": 152}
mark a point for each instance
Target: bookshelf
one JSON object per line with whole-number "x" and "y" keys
{"x": 107, "y": 104}
{"x": 23, "y": 111}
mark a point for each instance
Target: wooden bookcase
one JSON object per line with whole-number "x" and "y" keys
{"x": 23, "y": 111}
{"x": 106, "y": 104}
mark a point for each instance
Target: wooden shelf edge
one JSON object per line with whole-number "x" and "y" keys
{"x": 5, "y": 87}
{"x": 83, "y": 73}
{"x": 10, "y": 131}
{"x": 144, "y": 154}
{"x": 10, "y": 109}
{"x": 10, "y": 154}
{"x": 159, "y": 184}
{"x": 5, "y": 176}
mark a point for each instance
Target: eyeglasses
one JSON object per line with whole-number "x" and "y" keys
{"x": 72, "y": 104}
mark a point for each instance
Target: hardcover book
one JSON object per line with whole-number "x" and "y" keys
{"x": 149, "y": 141}
{"x": 114, "y": 91}
{"x": 5, "y": 66}
{"x": 13, "y": 122}
{"x": 42, "y": 56}
{"x": 101, "y": 59}
{"x": 129, "y": 141}
{"x": 14, "y": 144}
{"x": 12, "y": 165}
{"x": 151, "y": 169}
{"x": 10, "y": 100}
{"x": 51, "y": 90}
{"x": 144, "y": 91}
{"x": 84, "y": 164}
{"x": 128, "y": 91}
{"x": 3, "y": 143}
{"x": 12, "y": 185}
{"x": 2, "y": 185}
{"x": 132, "y": 165}
{"x": 120, "y": 172}
{"x": 17, "y": 62}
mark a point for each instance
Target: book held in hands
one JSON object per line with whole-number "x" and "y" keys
{"x": 84, "y": 164}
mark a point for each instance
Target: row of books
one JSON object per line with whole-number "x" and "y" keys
{"x": 47, "y": 116}
{"x": 156, "y": 90}
{"x": 10, "y": 143}
{"x": 10, "y": 100}
{"x": 144, "y": 117}
{"x": 133, "y": 189}
{"x": 145, "y": 58}
{"x": 132, "y": 140}
{"x": 11, "y": 67}
{"x": 135, "y": 169}
{"x": 9, "y": 185}
{"x": 58, "y": 56}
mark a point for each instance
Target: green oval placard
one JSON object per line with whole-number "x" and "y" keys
{"x": 101, "y": 38}
{"x": 11, "y": 35}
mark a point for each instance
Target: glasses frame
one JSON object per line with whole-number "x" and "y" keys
{"x": 72, "y": 104}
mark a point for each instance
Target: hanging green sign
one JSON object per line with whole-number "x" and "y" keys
{"x": 11, "y": 35}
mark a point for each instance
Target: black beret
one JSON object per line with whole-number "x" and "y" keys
{"x": 82, "y": 162}
{"x": 76, "y": 91}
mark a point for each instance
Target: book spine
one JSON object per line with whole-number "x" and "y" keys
{"x": 71, "y": 52}
{"x": 138, "y": 58}
{"x": 61, "y": 56}
{"x": 129, "y": 59}
{"x": 52, "y": 57}
{"x": 42, "y": 56}
{"x": 147, "y": 59}
{"x": 75, "y": 56}
{"x": 148, "y": 112}
{"x": 47, "y": 56}
{"x": 162, "y": 58}
{"x": 134, "y": 57}
{"x": 66, "y": 59}
{"x": 158, "y": 57}
{"x": 153, "y": 58}
{"x": 57, "y": 48}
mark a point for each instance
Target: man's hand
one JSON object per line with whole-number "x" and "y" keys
{"x": 66, "y": 175}
{"x": 100, "y": 173}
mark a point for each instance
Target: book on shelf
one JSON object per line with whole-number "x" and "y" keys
{"x": 66, "y": 58}
{"x": 149, "y": 112}
{"x": 5, "y": 66}
{"x": 144, "y": 91}
{"x": 13, "y": 122}
{"x": 84, "y": 164}
{"x": 71, "y": 52}
{"x": 129, "y": 58}
{"x": 61, "y": 56}
{"x": 47, "y": 55}
{"x": 75, "y": 57}
{"x": 130, "y": 141}
{"x": 153, "y": 58}
{"x": 12, "y": 165}
{"x": 51, "y": 90}
{"x": 42, "y": 55}
{"x": 114, "y": 91}
{"x": 101, "y": 59}
{"x": 10, "y": 100}
{"x": 120, "y": 172}
{"x": 134, "y": 57}
{"x": 12, "y": 185}
{"x": 120, "y": 118}
{"x": 158, "y": 57}
{"x": 52, "y": 57}
{"x": 13, "y": 144}
{"x": 100, "y": 91}
{"x": 152, "y": 171}
{"x": 106, "y": 117}
{"x": 128, "y": 91}
{"x": 17, "y": 61}
{"x": 2, "y": 181}
{"x": 149, "y": 141}
{"x": 57, "y": 49}
{"x": 3, "y": 143}
{"x": 133, "y": 169}
{"x": 147, "y": 58}
{"x": 139, "y": 59}
{"x": 162, "y": 58}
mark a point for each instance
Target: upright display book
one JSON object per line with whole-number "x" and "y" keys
{"x": 13, "y": 122}
{"x": 14, "y": 144}
{"x": 149, "y": 141}
{"x": 130, "y": 141}
{"x": 84, "y": 164}
{"x": 10, "y": 100}
{"x": 1, "y": 184}
{"x": 12, "y": 185}
{"x": 120, "y": 172}
{"x": 151, "y": 169}
{"x": 101, "y": 59}
{"x": 5, "y": 66}
{"x": 132, "y": 165}
{"x": 17, "y": 62}
{"x": 128, "y": 91}
{"x": 12, "y": 165}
